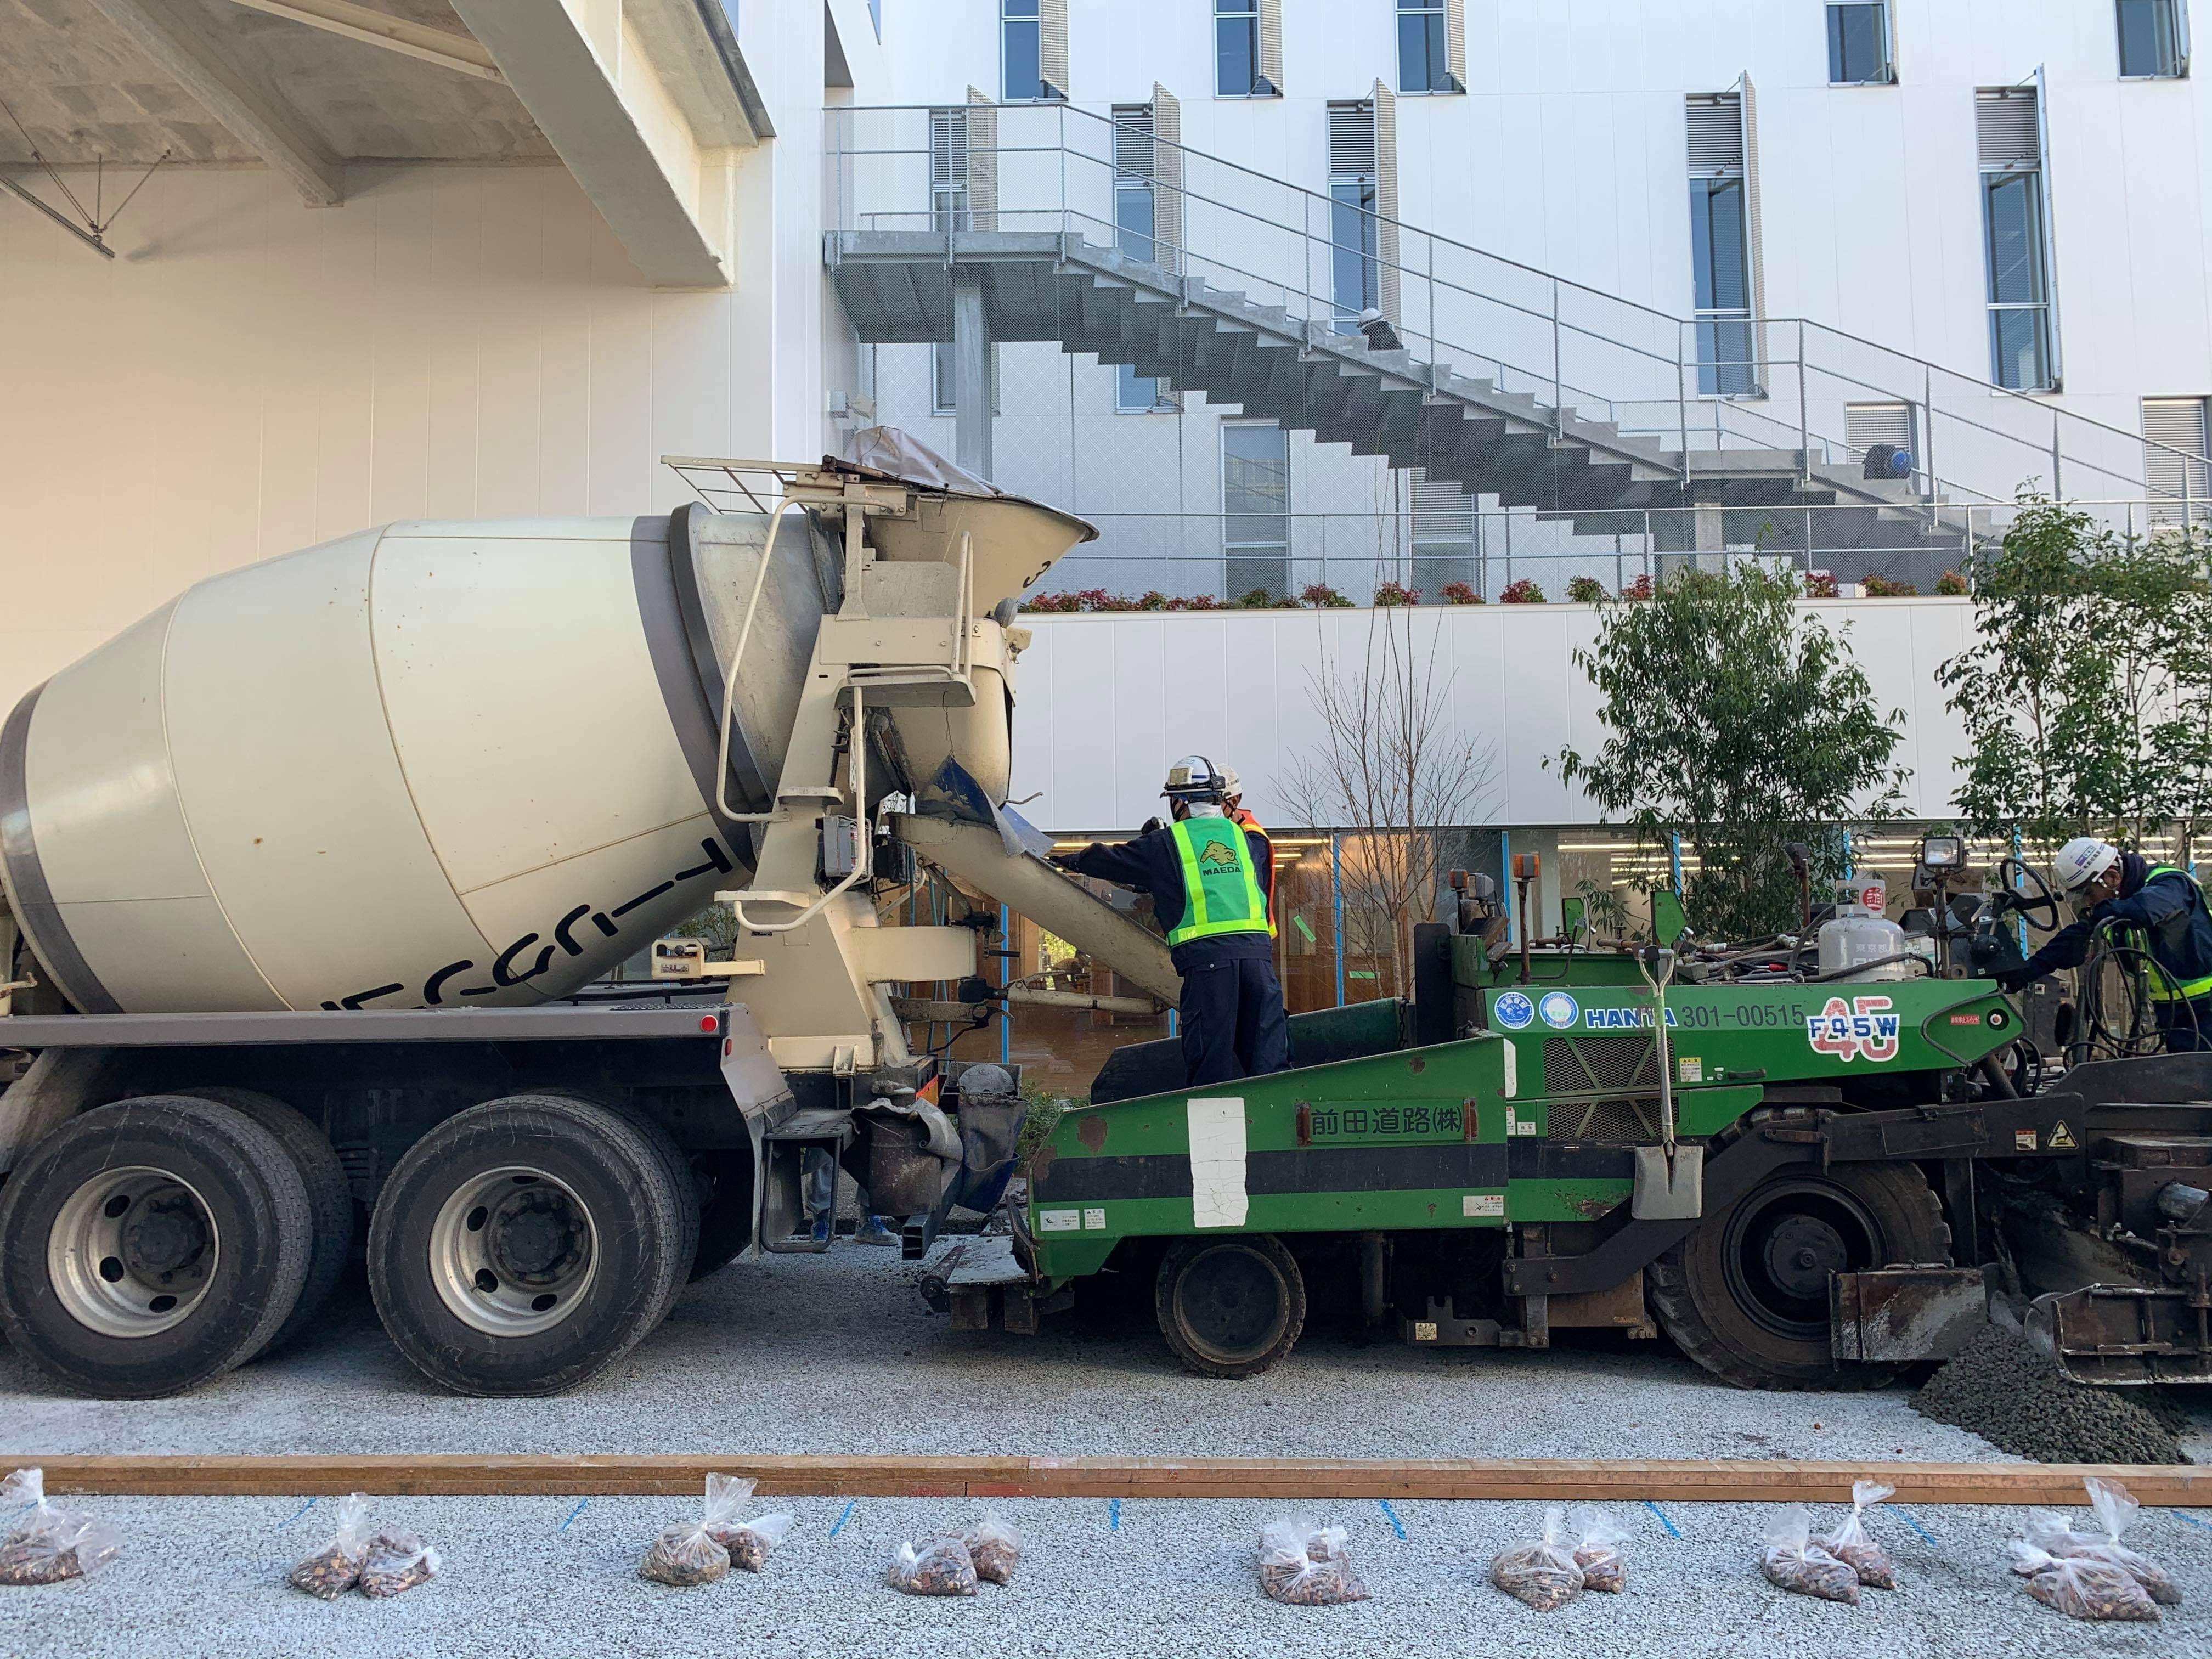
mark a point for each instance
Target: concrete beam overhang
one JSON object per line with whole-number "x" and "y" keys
{"x": 635, "y": 97}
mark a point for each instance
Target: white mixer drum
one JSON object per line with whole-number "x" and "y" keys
{"x": 434, "y": 763}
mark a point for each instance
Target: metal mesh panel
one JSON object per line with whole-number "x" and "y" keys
{"x": 1578, "y": 1064}
{"x": 1623, "y": 1122}
{"x": 2006, "y": 132}
{"x": 1715, "y": 120}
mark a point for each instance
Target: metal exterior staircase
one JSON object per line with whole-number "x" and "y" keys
{"x": 896, "y": 286}
{"x": 1513, "y": 382}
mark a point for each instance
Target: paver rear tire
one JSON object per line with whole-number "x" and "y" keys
{"x": 1232, "y": 1306}
{"x": 150, "y": 1245}
{"x": 329, "y": 1200}
{"x": 1746, "y": 1294}
{"x": 525, "y": 1244}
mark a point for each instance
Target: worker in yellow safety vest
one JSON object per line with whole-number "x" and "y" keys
{"x": 1209, "y": 878}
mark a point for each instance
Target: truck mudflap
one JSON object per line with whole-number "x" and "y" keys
{"x": 1897, "y": 1316}
{"x": 2126, "y": 1335}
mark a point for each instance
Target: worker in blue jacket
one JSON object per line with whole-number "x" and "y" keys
{"x": 1209, "y": 878}
{"x": 2156, "y": 908}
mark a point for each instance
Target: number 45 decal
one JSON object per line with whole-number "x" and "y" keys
{"x": 1858, "y": 1030}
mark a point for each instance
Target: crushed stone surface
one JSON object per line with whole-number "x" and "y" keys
{"x": 206, "y": 1577}
{"x": 2009, "y": 1392}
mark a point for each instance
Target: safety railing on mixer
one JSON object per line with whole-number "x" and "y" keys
{"x": 1676, "y": 388}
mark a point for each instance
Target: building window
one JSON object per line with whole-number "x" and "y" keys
{"x": 2175, "y": 471}
{"x": 875, "y": 16}
{"x": 1136, "y": 232}
{"x": 1255, "y": 509}
{"x": 1858, "y": 45}
{"x": 2153, "y": 38}
{"x": 1355, "y": 262}
{"x": 1429, "y": 35}
{"x": 1879, "y": 438}
{"x": 948, "y": 171}
{"x": 1720, "y": 247}
{"x": 1240, "y": 49}
{"x": 943, "y": 399}
{"x": 1444, "y": 549}
{"x": 1020, "y": 52}
{"x": 2015, "y": 237}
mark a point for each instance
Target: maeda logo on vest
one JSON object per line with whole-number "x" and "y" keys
{"x": 1216, "y": 855}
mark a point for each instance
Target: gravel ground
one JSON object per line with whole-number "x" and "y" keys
{"x": 837, "y": 1353}
{"x": 207, "y": 1577}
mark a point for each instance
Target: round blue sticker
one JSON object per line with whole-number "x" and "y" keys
{"x": 1559, "y": 1010}
{"x": 1513, "y": 1011}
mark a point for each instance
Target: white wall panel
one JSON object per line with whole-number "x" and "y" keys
{"x": 1107, "y": 701}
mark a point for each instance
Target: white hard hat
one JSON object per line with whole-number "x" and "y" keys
{"x": 2082, "y": 860}
{"x": 1231, "y": 783}
{"x": 1193, "y": 778}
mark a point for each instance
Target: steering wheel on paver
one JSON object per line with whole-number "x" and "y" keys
{"x": 2037, "y": 906}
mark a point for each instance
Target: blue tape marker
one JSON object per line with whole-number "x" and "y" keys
{"x": 572, "y": 1514}
{"x": 297, "y": 1513}
{"x": 2191, "y": 1520}
{"x": 1391, "y": 1516}
{"x": 1114, "y": 1515}
{"x": 1906, "y": 1515}
{"x": 843, "y": 1518}
{"x": 1663, "y": 1521}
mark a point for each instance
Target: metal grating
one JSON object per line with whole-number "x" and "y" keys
{"x": 1715, "y": 124}
{"x": 1352, "y": 140}
{"x": 1866, "y": 425}
{"x": 2007, "y": 133}
{"x": 1133, "y": 149}
{"x": 1591, "y": 1065}
{"x": 1625, "y": 1120}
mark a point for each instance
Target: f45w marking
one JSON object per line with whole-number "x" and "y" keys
{"x": 1858, "y": 1030}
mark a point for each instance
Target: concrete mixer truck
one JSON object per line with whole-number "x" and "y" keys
{"x": 306, "y": 875}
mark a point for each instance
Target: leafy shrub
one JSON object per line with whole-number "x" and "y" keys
{"x": 1820, "y": 585}
{"x": 1880, "y": 587}
{"x": 1951, "y": 582}
{"x": 1585, "y": 590}
{"x": 1257, "y": 598}
{"x": 1460, "y": 593}
{"x": 1322, "y": 597}
{"x": 1638, "y": 589}
{"x": 1523, "y": 592}
{"x": 1392, "y": 593}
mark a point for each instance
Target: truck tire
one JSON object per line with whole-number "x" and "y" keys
{"x": 523, "y": 1245}
{"x": 1230, "y": 1307}
{"x": 674, "y": 1159}
{"x": 1746, "y": 1295}
{"x": 151, "y": 1245}
{"x": 329, "y": 1200}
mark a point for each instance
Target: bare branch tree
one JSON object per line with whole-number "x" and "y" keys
{"x": 1392, "y": 770}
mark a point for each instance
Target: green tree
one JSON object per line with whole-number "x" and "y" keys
{"x": 2087, "y": 695}
{"x": 1740, "y": 724}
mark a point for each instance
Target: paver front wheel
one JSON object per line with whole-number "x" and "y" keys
{"x": 150, "y": 1245}
{"x": 524, "y": 1244}
{"x": 1746, "y": 1294}
{"x": 1230, "y": 1306}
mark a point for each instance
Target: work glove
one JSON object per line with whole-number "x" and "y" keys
{"x": 1063, "y": 860}
{"x": 2012, "y": 980}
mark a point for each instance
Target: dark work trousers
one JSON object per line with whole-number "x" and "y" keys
{"x": 2187, "y": 1025}
{"x": 1232, "y": 1021}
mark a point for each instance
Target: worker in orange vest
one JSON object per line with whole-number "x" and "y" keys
{"x": 1232, "y": 804}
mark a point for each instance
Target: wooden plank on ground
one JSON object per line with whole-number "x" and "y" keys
{"x": 1555, "y": 1481}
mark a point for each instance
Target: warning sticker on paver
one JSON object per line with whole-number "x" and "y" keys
{"x": 1483, "y": 1204}
{"x": 1217, "y": 1161}
{"x": 1094, "y": 1221}
{"x": 1060, "y": 1221}
{"x": 2023, "y": 1140}
{"x": 1689, "y": 1068}
{"x": 2061, "y": 1138}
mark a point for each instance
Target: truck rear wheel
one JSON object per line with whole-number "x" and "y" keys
{"x": 329, "y": 1199}
{"x": 1230, "y": 1307}
{"x": 151, "y": 1245}
{"x": 1746, "y": 1294}
{"x": 524, "y": 1244}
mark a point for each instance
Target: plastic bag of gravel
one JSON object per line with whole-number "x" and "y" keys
{"x": 2081, "y": 1587}
{"x": 994, "y": 1547}
{"x": 1598, "y": 1553}
{"x": 1853, "y": 1545}
{"x": 940, "y": 1567}
{"x": 2109, "y": 1501}
{"x": 1541, "y": 1574}
{"x": 49, "y": 1544}
{"x": 750, "y": 1541}
{"x": 333, "y": 1570}
{"x": 1795, "y": 1562}
{"x": 693, "y": 1551}
{"x": 1304, "y": 1565}
{"x": 397, "y": 1561}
